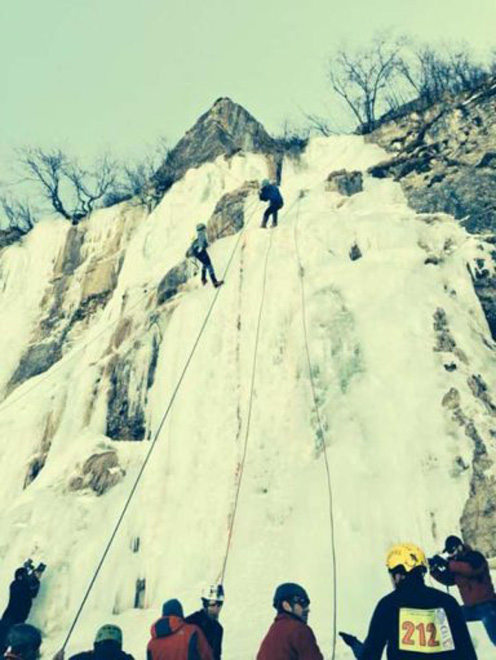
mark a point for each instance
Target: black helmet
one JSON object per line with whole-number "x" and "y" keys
{"x": 24, "y": 637}
{"x": 288, "y": 591}
{"x": 451, "y": 544}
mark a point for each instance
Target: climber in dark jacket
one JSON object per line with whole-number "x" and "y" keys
{"x": 414, "y": 620}
{"x": 107, "y": 646}
{"x": 207, "y": 619}
{"x": 269, "y": 192}
{"x": 23, "y": 589}
{"x": 469, "y": 570}
{"x": 198, "y": 250}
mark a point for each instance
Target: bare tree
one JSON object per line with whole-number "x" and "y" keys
{"x": 18, "y": 213}
{"x": 73, "y": 192}
{"x": 135, "y": 181}
{"x": 319, "y": 124}
{"x": 432, "y": 72}
{"x": 361, "y": 77}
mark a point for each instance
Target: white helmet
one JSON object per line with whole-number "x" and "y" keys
{"x": 213, "y": 592}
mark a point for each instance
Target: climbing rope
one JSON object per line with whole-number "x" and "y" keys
{"x": 240, "y": 472}
{"x": 301, "y": 273}
{"x": 248, "y": 421}
{"x": 153, "y": 442}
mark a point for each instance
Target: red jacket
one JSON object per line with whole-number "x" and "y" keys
{"x": 289, "y": 638}
{"x": 173, "y": 639}
{"x": 470, "y": 572}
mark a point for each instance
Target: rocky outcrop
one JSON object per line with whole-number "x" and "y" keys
{"x": 62, "y": 314}
{"x": 99, "y": 473}
{"x": 355, "y": 252}
{"x": 125, "y": 409}
{"x": 10, "y": 236}
{"x": 173, "y": 280}
{"x": 37, "y": 462}
{"x": 226, "y": 129}
{"x": 444, "y": 156}
{"x": 478, "y": 520}
{"x": 344, "y": 182}
{"x": 484, "y": 280}
{"x": 229, "y": 214}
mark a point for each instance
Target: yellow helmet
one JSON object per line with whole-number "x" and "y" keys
{"x": 408, "y": 555}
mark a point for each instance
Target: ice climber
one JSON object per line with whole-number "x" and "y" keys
{"x": 198, "y": 250}
{"x": 23, "y": 590}
{"x": 207, "y": 619}
{"x": 174, "y": 639}
{"x": 469, "y": 570}
{"x": 107, "y": 646}
{"x": 414, "y": 620}
{"x": 24, "y": 642}
{"x": 290, "y": 637}
{"x": 269, "y": 192}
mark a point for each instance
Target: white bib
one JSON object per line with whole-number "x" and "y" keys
{"x": 425, "y": 631}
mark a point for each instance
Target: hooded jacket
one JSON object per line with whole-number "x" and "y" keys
{"x": 470, "y": 572}
{"x": 289, "y": 638}
{"x": 174, "y": 639}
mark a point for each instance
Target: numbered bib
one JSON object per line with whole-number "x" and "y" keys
{"x": 425, "y": 631}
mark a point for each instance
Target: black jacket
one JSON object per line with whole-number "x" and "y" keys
{"x": 271, "y": 194}
{"x": 21, "y": 597}
{"x": 103, "y": 651}
{"x": 409, "y": 606}
{"x": 211, "y": 628}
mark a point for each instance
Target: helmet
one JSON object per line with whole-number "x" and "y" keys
{"x": 108, "y": 633}
{"x": 451, "y": 544}
{"x": 407, "y": 555}
{"x": 23, "y": 636}
{"x": 213, "y": 592}
{"x": 201, "y": 226}
{"x": 265, "y": 182}
{"x": 287, "y": 591}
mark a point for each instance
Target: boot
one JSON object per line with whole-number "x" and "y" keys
{"x": 218, "y": 283}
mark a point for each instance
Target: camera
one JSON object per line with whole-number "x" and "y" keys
{"x": 30, "y": 567}
{"x": 437, "y": 563}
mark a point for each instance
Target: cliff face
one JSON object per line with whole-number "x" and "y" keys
{"x": 104, "y": 322}
{"x": 226, "y": 129}
{"x": 444, "y": 156}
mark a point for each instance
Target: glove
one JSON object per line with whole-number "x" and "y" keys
{"x": 348, "y": 639}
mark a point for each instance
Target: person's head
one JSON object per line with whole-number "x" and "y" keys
{"x": 201, "y": 227}
{"x": 265, "y": 182}
{"x": 212, "y": 600}
{"x": 21, "y": 573}
{"x": 172, "y": 607}
{"x": 453, "y": 546}
{"x": 292, "y": 598}
{"x": 108, "y": 637}
{"x": 24, "y": 641}
{"x": 406, "y": 561}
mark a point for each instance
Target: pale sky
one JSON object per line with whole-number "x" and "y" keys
{"x": 96, "y": 74}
